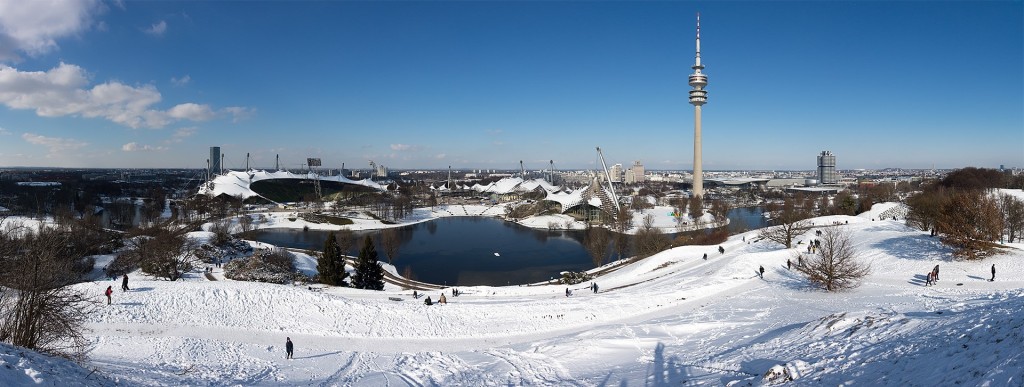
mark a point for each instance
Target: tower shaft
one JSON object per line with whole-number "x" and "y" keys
{"x": 698, "y": 168}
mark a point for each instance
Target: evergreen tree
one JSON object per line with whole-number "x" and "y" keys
{"x": 369, "y": 273}
{"x": 331, "y": 264}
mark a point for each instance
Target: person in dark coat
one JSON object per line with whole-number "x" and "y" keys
{"x": 288, "y": 347}
{"x": 110, "y": 290}
{"x": 705, "y": 256}
{"x": 124, "y": 283}
{"x": 427, "y": 301}
{"x": 789, "y": 265}
{"x": 935, "y": 273}
{"x": 721, "y": 250}
{"x": 993, "y": 273}
{"x": 760, "y": 272}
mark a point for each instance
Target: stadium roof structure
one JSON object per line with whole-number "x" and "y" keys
{"x": 238, "y": 183}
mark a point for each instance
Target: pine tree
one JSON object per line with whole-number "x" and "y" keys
{"x": 331, "y": 264}
{"x": 369, "y": 273}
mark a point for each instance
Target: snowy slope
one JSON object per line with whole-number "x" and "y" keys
{"x": 669, "y": 319}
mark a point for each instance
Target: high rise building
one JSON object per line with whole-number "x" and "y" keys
{"x": 697, "y": 98}
{"x": 616, "y": 173}
{"x": 214, "y": 161}
{"x": 827, "y": 168}
{"x": 635, "y": 173}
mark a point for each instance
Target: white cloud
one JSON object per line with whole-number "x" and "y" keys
{"x": 4, "y": 132}
{"x": 33, "y": 27}
{"x": 63, "y": 91}
{"x": 401, "y": 147}
{"x": 183, "y": 133}
{"x": 54, "y": 144}
{"x": 440, "y": 156}
{"x": 135, "y": 147}
{"x": 239, "y": 113}
{"x": 181, "y": 81}
{"x": 191, "y": 111}
{"x": 157, "y": 29}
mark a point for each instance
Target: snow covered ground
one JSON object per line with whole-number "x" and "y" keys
{"x": 671, "y": 319}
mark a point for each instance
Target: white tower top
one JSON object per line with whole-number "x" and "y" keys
{"x": 698, "y": 80}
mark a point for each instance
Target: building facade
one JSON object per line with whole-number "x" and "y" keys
{"x": 615, "y": 172}
{"x": 827, "y": 168}
{"x": 214, "y": 162}
{"x": 635, "y": 174}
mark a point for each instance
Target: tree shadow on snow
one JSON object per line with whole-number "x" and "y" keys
{"x": 141, "y": 290}
{"x": 665, "y": 371}
{"x": 918, "y": 247}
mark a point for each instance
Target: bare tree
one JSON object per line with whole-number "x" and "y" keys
{"x": 720, "y": 209}
{"x": 596, "y": 242}
{"x": 649, "y": 240}
{"x": 166, "y": 255}
{"x": 970, "y": 223}
{"x": 696, "y": 208}
{"x": 791, "y": 221}
{"x": 836, "y": 266}
{"x": 38, "y": 308}
{"x": 1013, "y": 217}
{"x": 390, "y": 242}
{"x": 346, "y": 241}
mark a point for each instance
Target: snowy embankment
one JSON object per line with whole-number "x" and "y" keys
{"x": 671, "y": 319}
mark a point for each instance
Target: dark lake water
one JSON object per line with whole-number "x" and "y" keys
{"x": 470, "y": 251}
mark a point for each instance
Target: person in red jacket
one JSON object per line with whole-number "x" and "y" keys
{"x": 109, "y": 291}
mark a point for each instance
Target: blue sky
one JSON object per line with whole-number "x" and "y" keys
{"x": 486, "y": 84}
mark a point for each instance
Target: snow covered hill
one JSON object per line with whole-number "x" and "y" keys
{"x": 671, "y": 319}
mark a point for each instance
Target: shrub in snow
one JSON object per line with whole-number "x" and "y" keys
{"x": 273, "y": 266}
{"x": 572, "y": 278}
{"x": 232, "y": 247}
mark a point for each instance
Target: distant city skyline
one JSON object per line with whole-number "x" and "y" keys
{"x": 483, "y": 85}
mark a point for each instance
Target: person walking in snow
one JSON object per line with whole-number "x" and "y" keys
{"x": 415, "y": 295}
{"x": 288, "y": 347}
{"x": 789, "y": 265}
{"x": 721, "y": 250}
{"x": 929, "y": 281}
{"x": 124, "y": 283}
{"x": 935, "y": 274}
{"x": 993, "y": 273}
{"x": 760, "y": 272}
{"x": 567, "y": 292}
{"x": 705, "y": 256}
{"x": 110, "y": 290}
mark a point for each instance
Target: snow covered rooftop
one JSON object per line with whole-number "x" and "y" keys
{"x": 237, "y": 183}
